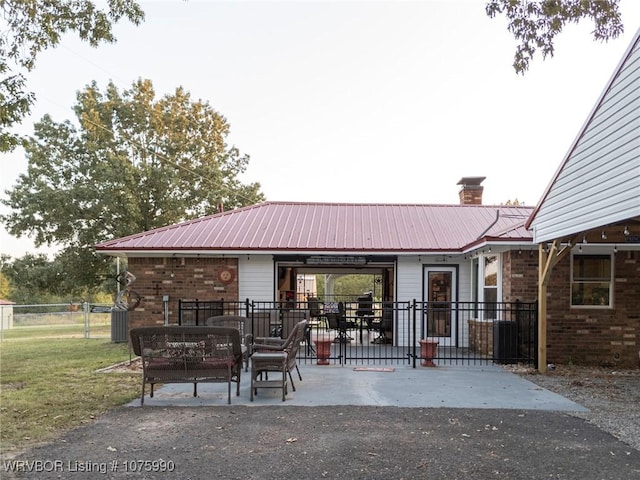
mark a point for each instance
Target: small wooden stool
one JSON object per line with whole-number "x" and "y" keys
{"x": 263, "y": 362}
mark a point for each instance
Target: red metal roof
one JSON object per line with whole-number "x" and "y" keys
{"x": 287, "y": 226}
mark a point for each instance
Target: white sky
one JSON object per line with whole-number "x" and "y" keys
{"x": 386, "y": 102}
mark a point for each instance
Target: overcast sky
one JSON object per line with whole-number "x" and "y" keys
{"x": 385, "y": 102}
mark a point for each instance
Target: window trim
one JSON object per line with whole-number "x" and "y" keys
{"x": 497, "y": 287}
{"x": 608, "y": 306}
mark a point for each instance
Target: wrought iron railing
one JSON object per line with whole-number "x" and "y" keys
{"x": 390, "y": 332}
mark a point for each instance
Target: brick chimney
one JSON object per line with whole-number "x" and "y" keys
{"x": 471, "y": 191}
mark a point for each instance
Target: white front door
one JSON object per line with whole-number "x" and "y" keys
{"x": 440, "y": 296}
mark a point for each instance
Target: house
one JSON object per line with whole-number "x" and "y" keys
{"x": 588, "y": 227}
{"x": 577, "y": 253}
{"x": 451, "y": 253}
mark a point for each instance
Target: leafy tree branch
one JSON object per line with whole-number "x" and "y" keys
{"x": 536, "y": 24}
{"x": 31, "y": 26}
{"x": 129, "y": 164}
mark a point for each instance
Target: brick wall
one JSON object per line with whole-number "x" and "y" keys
{"x": 481, "y": 337}
{"x": 179, "y": 277}
{"x": 607, "y": 337}
{"x": 520, "y": 276}
{"x": 585, "y": 336}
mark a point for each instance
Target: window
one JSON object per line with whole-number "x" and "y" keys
{"x": 591, "y": 281}
{"x": 490, "y": 286}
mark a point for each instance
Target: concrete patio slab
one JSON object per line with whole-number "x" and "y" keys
{"x": 486, "y": 386}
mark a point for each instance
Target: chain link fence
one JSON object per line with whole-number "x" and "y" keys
{"x": 57, "y": 320}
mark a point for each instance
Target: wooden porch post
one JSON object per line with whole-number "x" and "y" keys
{"x": 546, "y": 262}
{"x": 542, "y": 309}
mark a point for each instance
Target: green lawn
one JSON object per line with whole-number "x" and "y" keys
{"x": 49, "y": 385}
{"x": 58, "y": 331}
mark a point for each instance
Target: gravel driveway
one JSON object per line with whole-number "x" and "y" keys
{"x": 611, "y": 396}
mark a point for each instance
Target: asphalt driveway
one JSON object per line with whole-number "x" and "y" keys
{"x": 395, "y": 423}
{"x": 354, "y": 442}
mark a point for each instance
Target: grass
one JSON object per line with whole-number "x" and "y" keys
{"x": 50, "y": 385}
{"x": 57, "y": 324}
{"x": 57, "y": 318}
{"x": 55, "y": 331}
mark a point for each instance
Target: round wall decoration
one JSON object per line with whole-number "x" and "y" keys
{"x": 226, "y": 276}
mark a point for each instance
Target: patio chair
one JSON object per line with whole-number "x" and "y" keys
{"x": 365, "y": 305}
{"x": 238, "y": 322}
{"x": 290, "y": 318}
{"x": 260, "y": 325}
{"x": 338, "y": 321}
{"x": 315, "y": 309}
{"x": 315, "y": 320}
{"x": 365, "y": 313}
{"x": 386, "y": 324}
{"x": 291, "y": 345}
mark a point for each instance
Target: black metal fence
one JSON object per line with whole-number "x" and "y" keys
{"x": 364, "y": 331}
{"x": 196, "y": 312}
{"x": 479, "y": 332}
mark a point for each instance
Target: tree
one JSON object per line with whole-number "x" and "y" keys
{"x": 34, "y": 279}
{"x": 31, "y": 279}
{"x": 355, "y": 284}
{"x": 5, "y": 287}
{"x": 535, "y": 24}
{"x": 134, "y": 163}
{"x": 32, "y": 26}
{"x": 349, "y": 285}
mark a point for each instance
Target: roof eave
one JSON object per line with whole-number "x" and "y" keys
{"x": 582, "y": 130}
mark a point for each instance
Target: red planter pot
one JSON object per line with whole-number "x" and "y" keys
{"x": 428, "y": 351}
{"x": 323, "y": 348}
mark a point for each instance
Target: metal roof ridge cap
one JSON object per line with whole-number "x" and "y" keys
{"x": 367, "y": 204}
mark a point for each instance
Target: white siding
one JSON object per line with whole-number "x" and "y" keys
{"x": 464, "y": 295}
{"x": 464, "y": 282}
{"x": 409, "y": 279}
{"x": 409, "y": 288}
{"x": 256, "y": 282}
{"x": 599, "y": 183}
{"x": 256, "y": 278}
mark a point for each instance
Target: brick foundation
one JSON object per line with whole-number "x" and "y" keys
{"x": 481, "y": 337}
